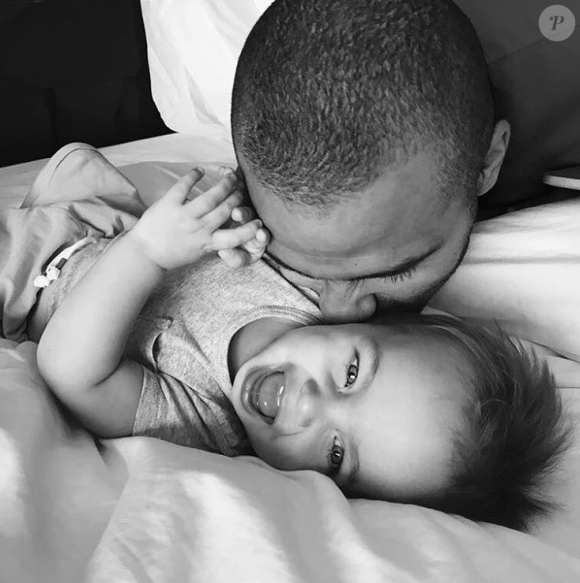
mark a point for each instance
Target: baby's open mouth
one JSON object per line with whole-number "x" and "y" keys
{"x": 266, "y": 395}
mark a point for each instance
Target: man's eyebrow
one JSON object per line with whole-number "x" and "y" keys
{"x": 406, "y": 265}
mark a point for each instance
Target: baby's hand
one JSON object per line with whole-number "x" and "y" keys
{"x": 251, "y": 251}
{"x": 176, "y": 231}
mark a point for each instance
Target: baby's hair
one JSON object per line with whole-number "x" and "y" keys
{"x": 329, "y": 94}
{"x": 515, "y": 430}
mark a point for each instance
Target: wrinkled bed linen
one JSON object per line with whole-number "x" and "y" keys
{"x": 139, "y": 509}
{"x": 142, "y": 510}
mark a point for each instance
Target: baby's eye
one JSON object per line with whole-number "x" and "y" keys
{"x": 351, "y": 374}
{"x": 335, "y": 456}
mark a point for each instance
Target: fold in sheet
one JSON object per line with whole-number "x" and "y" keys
{"x": 142, "y": 510}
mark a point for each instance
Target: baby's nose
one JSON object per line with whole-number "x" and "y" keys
{"x": 309, "y": 404}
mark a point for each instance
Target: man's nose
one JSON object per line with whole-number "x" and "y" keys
{"x": 340, "y": 303}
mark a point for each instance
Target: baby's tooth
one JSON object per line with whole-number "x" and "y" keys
{"x": 279, "y": 395}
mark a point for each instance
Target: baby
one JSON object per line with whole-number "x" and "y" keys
{"x": 148, "y": 332}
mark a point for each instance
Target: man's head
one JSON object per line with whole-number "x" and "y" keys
{"x": 421, "y": 409}
{"x": 365, "y": 131}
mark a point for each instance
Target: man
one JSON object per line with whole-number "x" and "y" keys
{"x": 365, "y": 132}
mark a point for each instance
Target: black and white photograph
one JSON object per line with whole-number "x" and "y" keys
{"x": 289, "y": 291}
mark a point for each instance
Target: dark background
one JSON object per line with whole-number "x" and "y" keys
{"x": 76, "y": 70}
{"x": 72, "y": 70}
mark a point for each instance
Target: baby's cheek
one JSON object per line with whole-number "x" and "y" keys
{"x": 283, "y": 455}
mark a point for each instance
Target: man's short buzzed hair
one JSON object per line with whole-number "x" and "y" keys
{"x": 328, "y": 94}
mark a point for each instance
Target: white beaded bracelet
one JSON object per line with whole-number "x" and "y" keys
{"x": 52, "y": 271}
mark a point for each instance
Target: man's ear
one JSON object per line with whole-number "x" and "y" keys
{"x": 495, "y": 157}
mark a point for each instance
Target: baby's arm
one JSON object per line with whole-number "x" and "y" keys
{"x": 80, "y": 353}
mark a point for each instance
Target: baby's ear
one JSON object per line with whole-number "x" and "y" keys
{"x": 495, "y": 157}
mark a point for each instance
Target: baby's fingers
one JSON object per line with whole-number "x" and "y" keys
{"x": 259, "y": 243}
{"x": 230, "y": 238}
{"x": 243, "y": 214}
{"x": 179, "y": 192}
{"x": 222, "y": 213}
{"x": 235, "y": 258}
{"x": 249, "y": 252}
{"x": 211, "y": 199}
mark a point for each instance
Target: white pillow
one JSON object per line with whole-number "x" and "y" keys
{"x": 522, "y": 271}
{"x": 193, "y": 48}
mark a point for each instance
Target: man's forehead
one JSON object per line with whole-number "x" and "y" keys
{"x": 380, "y": 262}
{"x": 352, "y": 243}
{"x": 395, "y": 197}
{"x": 353, "y": 228}
{"x": 398, "y": 218}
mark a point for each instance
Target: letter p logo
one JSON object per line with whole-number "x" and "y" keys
{"x": 558, "y": 19}
{"x": 557, "y": 23}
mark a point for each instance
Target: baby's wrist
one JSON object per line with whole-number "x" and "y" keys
{"x": 142, "y": 250}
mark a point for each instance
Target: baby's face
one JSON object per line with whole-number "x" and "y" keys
{"x": 371, "y": 406}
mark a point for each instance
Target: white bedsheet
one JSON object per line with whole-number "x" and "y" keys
{"x": 143, "y": 510}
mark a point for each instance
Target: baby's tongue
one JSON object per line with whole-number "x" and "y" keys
{"x": 270, "y": 394}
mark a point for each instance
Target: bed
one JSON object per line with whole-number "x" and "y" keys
{"x": 137, "y": 509}
{"x": 140, "y": 509}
